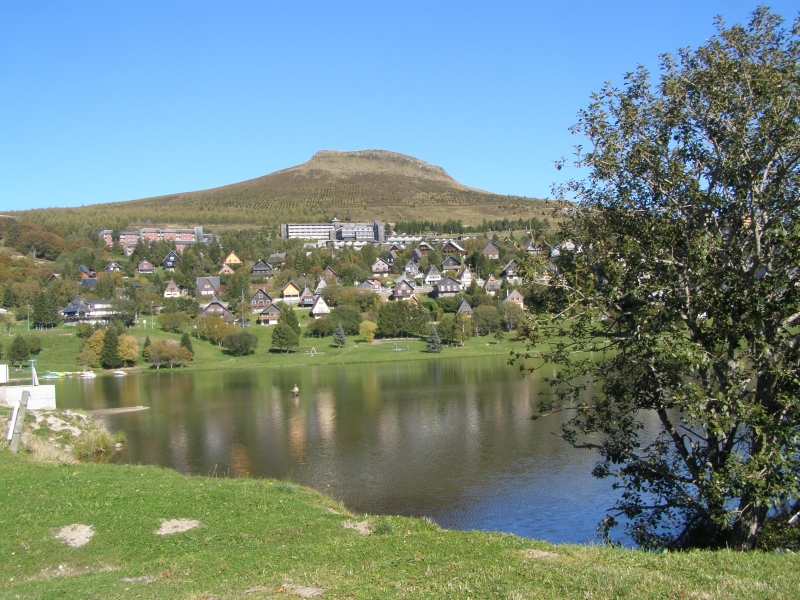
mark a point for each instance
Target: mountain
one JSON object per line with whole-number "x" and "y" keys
{"x": 361, "y": 185}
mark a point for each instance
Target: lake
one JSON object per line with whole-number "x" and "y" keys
{"x": 450, "y": 439}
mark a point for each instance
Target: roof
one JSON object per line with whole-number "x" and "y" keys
{"x": 214, "y": 281}
{"x": 451, "y": 261}
{"x": 293, "y": 284}
{"x": 453, "y": 244}
{"x": 271, "y": 309}
{"x": 447, "y": 281}
{"x": 515, "y": 296}
{"x": 262, "y": 265}
{"x": 490, "y": 245}
{"x": 89, "y": 282}
{"x": 464, "y": 307}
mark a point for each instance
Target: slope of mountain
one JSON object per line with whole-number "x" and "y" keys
{"x": 361, "y": 185}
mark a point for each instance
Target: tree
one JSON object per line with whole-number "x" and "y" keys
{"x": 485, "y": 319}
{"x": 289, "y": 318}
{"x": 109, "y": 357}
{"x": 339, "y": 336}
{"x": 164, "y": 351}
{"x": 92, "y": 348}
{"x": 127, "y": 349}
{"x": 174, "y": 321}
{"x": 240, "y": 342}
{"x": 348, "y": 317}
{"x": 186, "y": 342}
{"x": 682, "y": 284}
{"x": 434, "y": 343}
{"x": 284, "y": 338}
{"x": 146, "y": 348}
{"x": 367, "y": 330}
{"x": 214, "y": 329}
{"x": 511, "y": 315}
{"x": 18, "y": 351}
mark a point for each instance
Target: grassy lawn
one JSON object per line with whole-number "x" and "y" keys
{"x": 273, "y": 539}
{"x": 60, "y": 347}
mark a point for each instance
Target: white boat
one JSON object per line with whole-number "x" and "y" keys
{"x": 119, "y": 373}
{"x": 88, "y": 374}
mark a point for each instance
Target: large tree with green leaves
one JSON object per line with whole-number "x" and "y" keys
{"x": 683, "y": 288}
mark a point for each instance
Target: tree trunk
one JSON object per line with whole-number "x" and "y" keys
{"x": 746, "y": 527}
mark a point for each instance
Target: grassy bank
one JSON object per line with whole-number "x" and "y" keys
{"x": 60, "y": 347}
{"x": 273, "y": 539}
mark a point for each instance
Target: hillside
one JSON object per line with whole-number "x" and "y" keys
{"x": 361, "y": 185}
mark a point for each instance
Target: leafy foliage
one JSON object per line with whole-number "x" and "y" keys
{"x": 240, "y": 342}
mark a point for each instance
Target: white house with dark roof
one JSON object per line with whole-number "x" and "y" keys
{"x": 269, "y": 316}
{"x": 432, "y": 276}
{"x": 207, "y": 286}
{"x": 320, "y": 308}
{"x": 380, "y": 267}
{"x": 446, "y": 288}
{"x": 260, "y": 300}
{"x": 516, "y": 298}
{"x": 172, "y": 290}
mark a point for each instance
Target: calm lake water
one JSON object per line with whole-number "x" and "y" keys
{"x": 450, "y": 439}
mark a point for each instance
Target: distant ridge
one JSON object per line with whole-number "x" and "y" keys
{"x": 357, "y": 185}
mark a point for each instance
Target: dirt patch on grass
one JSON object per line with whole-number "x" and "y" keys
{"x": 533, "y": 554}
{"x": 171, "y": 526}
{"x": 304, "y": 591}
{"x": 75, "y": 535}
{"x": 362, "y": 527}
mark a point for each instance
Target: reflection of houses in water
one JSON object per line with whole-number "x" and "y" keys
{"x": 326, "y": 414}
{"x": 239, "y": 460}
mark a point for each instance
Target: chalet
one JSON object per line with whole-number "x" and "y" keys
{"x": 330, "y": 275}
{"x": 320, "y": 286}
{"x": 402, "y": 291}
{"x": 260, "y": 299}
{"x": 269, "y": 316}
{"x": 307, "y": 298}
{"x": 465, "y": 308}
{"x": 170, "y": 261}
{"x": 89, "y": 282}
{"x": 390, "y": 257}
{"x": 371, "y": 284}
{"x": 464, "y": 277}
{"x": 380, "y": 267}
{"x": 432, "y": 276}
{"x": 446, "y": 288}
{"x": 277, "y": 260}
{"x": 81, "y": 310}
{"x": 412, "y": 270}
{"x": 232, "y": 260}
{"x": 85, "y": 272}
{"x": 145, "y": 266}
{"x": 262, "y": 269}
{"x": 451, "y": 263}
{"x": 450, "y": 247}
{"x": 532, "y": 247}
{"x": 563, "y": 247}
{"x": 207, "y": 286}
{"x": 416, "y": 255}
{"x": 491, "y": 250}
{"x": 216, "y": 308}
{"x": 226, "y": 270}
{"x": 319, "y": 308}
{"x": 172, "y": 290}
{"x": 395, "y": 248}
{"x": 291, "y": 293}
{"x": 113, "y": 267}
{"x": 510, "y": 271}
{"x": 424, "y": 248}
{"x": 491, "y": 285}
{"x": 516, "y": 298}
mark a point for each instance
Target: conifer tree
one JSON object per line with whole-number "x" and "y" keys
{"x": 109, "y": 357}
{"x": 339, "y": 337}
{"x": 186, "y": 342}
{"x": 18, "y": 351}
{"x": 288, "y": 317}
{"x": 434, "y": 343}
{"x": 146, "y": 348}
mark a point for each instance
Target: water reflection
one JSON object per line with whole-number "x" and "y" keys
{"x": 449, "y": 439}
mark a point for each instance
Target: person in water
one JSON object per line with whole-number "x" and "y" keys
{"x": 295, "y": 389}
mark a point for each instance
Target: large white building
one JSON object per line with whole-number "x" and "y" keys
{"x": 335, "y": 231}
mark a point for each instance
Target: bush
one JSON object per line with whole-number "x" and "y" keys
{"x": 34, "y": 343}
{"x": 348, "y": 316}
{"x": 240, "y": 342}
{"x": 83, "y": 330}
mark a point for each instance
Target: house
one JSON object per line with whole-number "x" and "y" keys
{"x": 510, "y": 271}
{"x": 380, "y": 267}
{"x": 113, "y": 267}
{"x": 423, "y": 248}
{"x": 516, "y": 298}
{"x": 291, "y": 293}
{"x": 402, "y": 291}
{"x": 320, "y": 286}
{"x": 450, "y": 247}
{"x": 416, "y": 255}
{"x": 260, "y": 300}
{"x": 395, "y": 248}
{"x": 81, "y": 310}
{"x": 371, "y": 284}
{"x": 532, "y": 247}
{"x": 207, "y": 286}
{"x": 86, "y": 272}
{"x": 319, "y": 308}
{"x": 446, "y": 288}
{"x": 269, "y": 316}
{"x": 262, "y": 269}
{"x": 465, "y": 308}
{"x": 277, "y": 260}
{"x": 464, "y": 277}
{"x": 170, "y": 260}
{"x": 53, "y": 277}
{"x": 145, "y": 266}
{"x": 412, "y": 269}
{"x": 307, "y": 298}
{"x": 432, "y": 276}
{"x": 172, "y": 290}
{"x": 330, "y": 275}
{"x": 451, "y": 263}
{"x": 89, "y": 282}
{"x": 226, "y": 270}
{"x": 391, "y": 255}
{"x": 232, "y": 260}
{"x": 491, "y": 285}
{"x": 216, "y": 308}
{"x": 491, "y": 250}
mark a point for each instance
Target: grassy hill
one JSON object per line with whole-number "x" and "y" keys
{"x": 368, "y": 184}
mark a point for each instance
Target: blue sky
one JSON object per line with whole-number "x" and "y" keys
{"x": 106, "y": 101}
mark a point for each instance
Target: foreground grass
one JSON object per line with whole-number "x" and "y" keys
{"x": 60, "y": 348}
{"x": 258, "y": 539}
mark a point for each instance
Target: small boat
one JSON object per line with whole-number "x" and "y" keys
{"x": 88, "y": 374}
{"x": 52, "y": 375}
{"x": 119, "y": 373}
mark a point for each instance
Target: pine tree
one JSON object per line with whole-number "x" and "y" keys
{"x": 109, "y": 357}
{"x": 146, "y": 348}
{"x": 434, "y": 343}
{"x": 288, "y": 317}
{"x": 186, "y": 342}
{"x": 339, "y": 337}
{"x": 18, "y": 351}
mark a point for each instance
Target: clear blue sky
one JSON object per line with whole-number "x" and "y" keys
{"x": 115, "y": 100}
